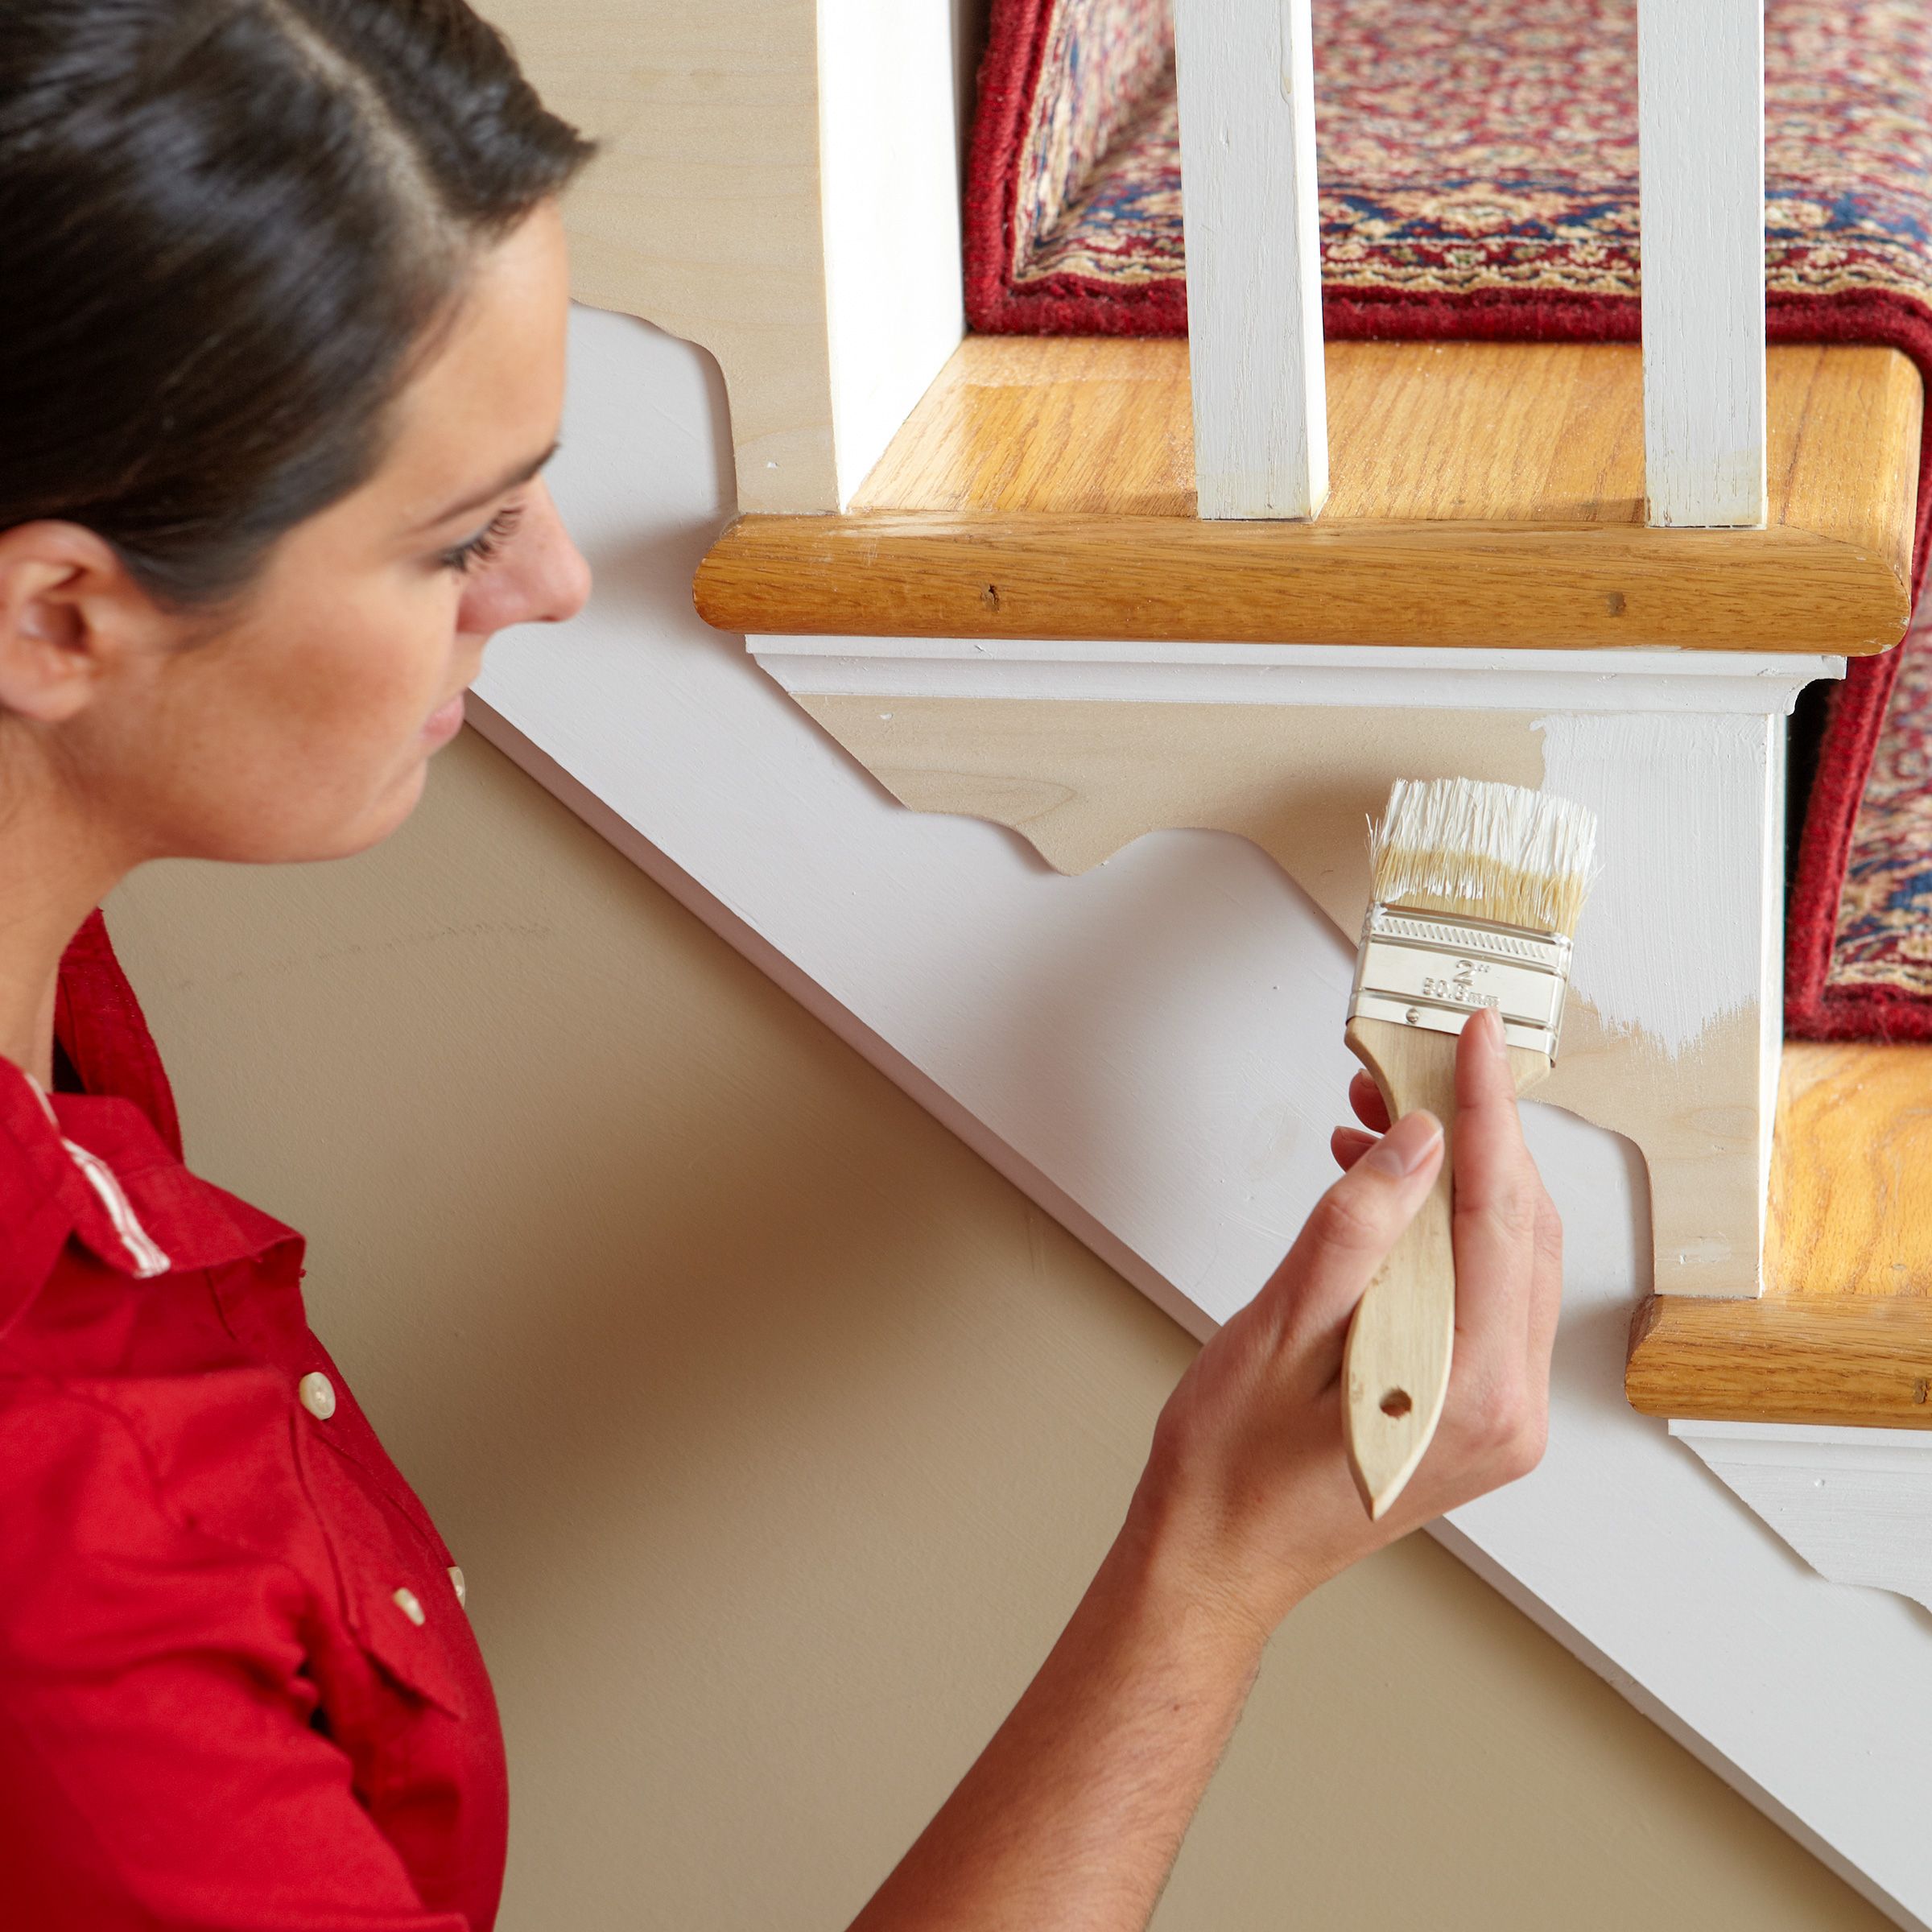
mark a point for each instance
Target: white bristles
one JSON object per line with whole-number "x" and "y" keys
{"x": 1488, "y": 852}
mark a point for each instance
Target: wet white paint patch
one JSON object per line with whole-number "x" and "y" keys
{"x": 1672, "y": 937}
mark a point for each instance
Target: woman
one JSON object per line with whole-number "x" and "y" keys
{"x": 286, "y": 300}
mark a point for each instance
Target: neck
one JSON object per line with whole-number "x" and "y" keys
{"x": 53, "y": 872}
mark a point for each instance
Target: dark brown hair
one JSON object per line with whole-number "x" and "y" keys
{"x": 227, "y": 228}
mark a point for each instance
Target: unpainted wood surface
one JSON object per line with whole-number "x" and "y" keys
{"x": 1482, "y": 494}
{"x": 1843, "y": 1333}
{"x": 702, "y": 212}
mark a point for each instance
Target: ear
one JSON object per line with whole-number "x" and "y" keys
{"x": 71, "y": 613}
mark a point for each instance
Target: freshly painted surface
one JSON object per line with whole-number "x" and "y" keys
{"x": 1689, "y": 918}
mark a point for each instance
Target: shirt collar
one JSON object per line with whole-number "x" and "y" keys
{"x": 104, "y": 1167}
{"x": 102, "y": 1030}
{"x": 95, "y": 1168}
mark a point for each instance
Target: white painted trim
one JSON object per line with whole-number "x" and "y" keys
{"x": 1701, "y": 130}
{"x": 1856, "y": 1504}
{"x": 1245, "y": 72}
{"x": 1767, "y": 682}
{"x": 889, "y": 193}
{"x": 1640, "y": 1695}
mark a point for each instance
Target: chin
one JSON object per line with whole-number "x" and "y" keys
{"x": 375, "y": 825}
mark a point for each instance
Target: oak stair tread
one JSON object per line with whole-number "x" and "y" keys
{"x": 1484, "y": 494}
{"x": 1843, "y": 1332}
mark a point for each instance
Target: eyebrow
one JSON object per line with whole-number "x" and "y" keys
{"x": 521, "y": 473}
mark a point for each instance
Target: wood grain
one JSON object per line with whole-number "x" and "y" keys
{"x": 1850, "y": 1359}
{"x": 1483, "y": 493}
{"x": 1850, "y": 1205}
{"x": 1843, "y": 1333}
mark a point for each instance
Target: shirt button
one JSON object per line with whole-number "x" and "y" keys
{"x": 317, "y": 1394}
{"x": 405, "y": 1600}
{"x": 456, "y": 1576}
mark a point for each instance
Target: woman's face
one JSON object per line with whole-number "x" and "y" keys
{"x": 302, "y": 729}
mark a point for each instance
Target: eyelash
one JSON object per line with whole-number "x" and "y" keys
{"x": 486, "y": 543}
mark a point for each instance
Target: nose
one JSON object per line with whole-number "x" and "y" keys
{"x": 541, "y": 578}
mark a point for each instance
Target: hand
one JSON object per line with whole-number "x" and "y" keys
{"x": 1248, "y": 1489}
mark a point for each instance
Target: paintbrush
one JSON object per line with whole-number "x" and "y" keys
{"x": 1476, "y": 892}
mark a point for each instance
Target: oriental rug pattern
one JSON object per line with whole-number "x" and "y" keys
{"x": 1478, "y": 178}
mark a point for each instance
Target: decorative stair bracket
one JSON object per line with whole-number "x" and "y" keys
{"x": 1674, "y": 1029}
{"x": 1856, "y": 1504}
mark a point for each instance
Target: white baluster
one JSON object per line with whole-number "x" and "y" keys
{"x": 1246, "y": 75}
{"x": 1701, "y": 124}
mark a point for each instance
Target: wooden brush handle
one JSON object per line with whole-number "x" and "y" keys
{"x": 1395, "y": 1371}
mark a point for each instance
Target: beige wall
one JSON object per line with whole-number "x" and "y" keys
{"x": 777, "y": 1433}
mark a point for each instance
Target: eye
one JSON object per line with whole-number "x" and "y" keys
{"x": 486, "y": 543}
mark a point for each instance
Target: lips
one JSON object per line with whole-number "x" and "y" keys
{"x": 445, "y": 721}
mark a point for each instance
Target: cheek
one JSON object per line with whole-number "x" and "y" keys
{"x": 314, "y": 736}
{"x": 368, "y": 674}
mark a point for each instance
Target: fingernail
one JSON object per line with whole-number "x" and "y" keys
{"x": 1492, "y": 1031}
{"x": 1406, "y": 1145}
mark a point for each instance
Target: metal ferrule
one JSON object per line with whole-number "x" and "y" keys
{"x": 1426, "y": 969}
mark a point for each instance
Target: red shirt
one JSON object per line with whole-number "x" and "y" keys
{"x": 237, "y": 1687}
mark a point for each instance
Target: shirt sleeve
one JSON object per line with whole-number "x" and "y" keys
{"x": 162, "y": 1761}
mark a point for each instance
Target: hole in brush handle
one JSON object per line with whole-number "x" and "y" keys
{"x": 1397, "y": 1403}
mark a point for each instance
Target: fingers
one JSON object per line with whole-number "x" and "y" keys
{"x": 1499, "y": 1205}
{"x": 1366, "y": 1098}
{"x": 1349, "y": 1144}
{"x": 1354, "y": 1225}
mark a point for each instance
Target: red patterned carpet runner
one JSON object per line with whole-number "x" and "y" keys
{"x": 1883, "y": 944}
{"x": 1478, "y": 175}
